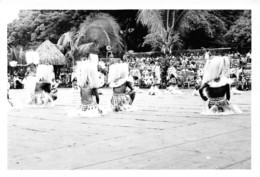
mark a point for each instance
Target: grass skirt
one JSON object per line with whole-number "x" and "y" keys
{"x": 40, "y": 99}
{"x": 121, "y": 102}
{"x": 220, "y": 106}
{"x": 89, "y": 110}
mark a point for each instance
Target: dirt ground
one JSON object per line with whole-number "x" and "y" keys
{"x": 167, "y": 132}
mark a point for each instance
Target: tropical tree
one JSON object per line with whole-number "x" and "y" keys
{"x": 99, "y": 31}
{"x": 35, "y": 26}
{"x": 164, "y": 28}
{"x": 65, "y": 42}
{"x": 240, "y": 33}
{"x": 203, "y": 28}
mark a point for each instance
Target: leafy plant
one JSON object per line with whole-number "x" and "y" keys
{"x": 164, "y": 28}
{"x": 240, "y": 32}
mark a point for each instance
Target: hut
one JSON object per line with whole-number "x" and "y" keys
{"x": 50, "y": 54}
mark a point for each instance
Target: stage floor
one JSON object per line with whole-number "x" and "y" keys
{"x": 168, "y": 132}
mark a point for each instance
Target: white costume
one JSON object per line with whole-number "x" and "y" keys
{"x": 88, "y": 81}
{"x": 45, "y": 90}
{"x": 118, "y": 77}
{"x": 217, "y": 85}
{"x": 94, "y": 59}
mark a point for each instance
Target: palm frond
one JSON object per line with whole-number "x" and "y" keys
{"x": 154, "y": 40}
{"x": 175, "y": 41}
{"x": 64, "y": 40}
{"x": 179, "y": 19}
{"x": 168, "y": 18}
{"x": 152, "y": 19}
{"x": 101, "y": 29}
{"x": 84, "y": 50}
{"x": 163, "y": 26}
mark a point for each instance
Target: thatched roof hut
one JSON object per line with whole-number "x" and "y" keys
{"x": 50, "y": 54}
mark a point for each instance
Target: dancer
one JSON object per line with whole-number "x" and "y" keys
{"x": 156, "y": 73}
{"x": 17, "y": 80}
{"x": 172, "y": 80}
{"x": 197, "y": 86}
{"x": 30, "y": 79}
{"x": 233, "y": 76}
{"x": 207, "y": 54}
{"x": 146, "y": 78}
{"x": 75, "y": 87}
{"x": 45, "y": 88}
{"x": 118, "y": 79}
{"x": 136, "y": 75}
{"x": 88, "y": 82}
{"x": 217, "y": 85}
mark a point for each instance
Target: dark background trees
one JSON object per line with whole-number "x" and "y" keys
{"x": 200, "y": 28}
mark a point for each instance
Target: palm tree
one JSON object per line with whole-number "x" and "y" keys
{"x": 64, "y": 43}
{"x": 164, "y": 28}
{"x": 97, "y": 31}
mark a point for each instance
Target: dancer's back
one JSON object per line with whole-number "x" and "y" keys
{"x": 121, "y": 89}
{"x": 86, "y": 95}
{"x": 215, "y": 92}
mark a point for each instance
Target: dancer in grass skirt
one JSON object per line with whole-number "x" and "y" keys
{"x": 45, "y": 88}
{"x": 136, "y": 75}
{"x": 217, "y": 85}
{"x": 172, "y": 81}
{"x": 88, "y": 83}
{"x": 233, "y": 76}
{"x": 156, "y": 72}
{"x": 118, "y": 79}
{"x": 30, "y": 79}
{"x": 197, "y": 86}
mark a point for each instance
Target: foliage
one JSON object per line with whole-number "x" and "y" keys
{"x": 196, "y": 29}
{"x": 102, "y": 29}
{"x": 35, "y": 26}
{"x": 229, "y": 17}
{"x": 163, "y": 26}
{"x": 240, "y": 32}
{"x": 203, "y": 29}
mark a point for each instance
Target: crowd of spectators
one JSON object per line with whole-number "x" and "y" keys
{"x": 188, "y": 67}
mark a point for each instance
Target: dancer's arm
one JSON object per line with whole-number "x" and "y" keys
{"x": 95, "y": 92}
{"x": 129, "y": 85}
{"x": 228, "y": 92}
{"x": 201, "y": 91}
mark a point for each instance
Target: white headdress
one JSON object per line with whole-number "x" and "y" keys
{"x": 45, "y": 73}
{"x": 226, "y": 68}
{"x": 32, "y": 57}
{"x": 118, "y": 73}
{"x": 218, "y": 67}
{"x": 87, "y": 74}
{"x": 93, "y": 58}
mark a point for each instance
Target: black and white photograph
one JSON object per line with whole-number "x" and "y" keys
{"x": 122, "y": 88}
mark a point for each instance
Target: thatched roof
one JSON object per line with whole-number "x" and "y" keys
{"x": 49, "y": 54}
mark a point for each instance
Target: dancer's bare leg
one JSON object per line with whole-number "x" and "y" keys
{"x": 132, "y": 96}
